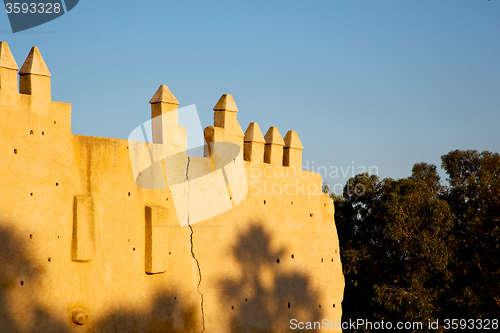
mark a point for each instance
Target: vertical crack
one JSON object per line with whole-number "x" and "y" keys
{"x": 199, "y": 281}
{"x": 194, "y": 256}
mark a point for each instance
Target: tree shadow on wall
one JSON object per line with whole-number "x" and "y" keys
{"x": 19, "y": 275}
{"x": 166, "y": 314}
{"x": 266, "y": 297}
{"x": 22, "y": 312}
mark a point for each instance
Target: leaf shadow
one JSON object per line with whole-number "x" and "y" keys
{"x": 266, "y": 297}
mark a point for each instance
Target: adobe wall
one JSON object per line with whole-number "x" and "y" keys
{"x": 83, "y": 248}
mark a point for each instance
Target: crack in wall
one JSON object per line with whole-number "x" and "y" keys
{"x": 193, "y": 255}
{"x": 199, "y": 281}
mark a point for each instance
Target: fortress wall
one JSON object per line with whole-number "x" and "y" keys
{"x": 84, "y": 249}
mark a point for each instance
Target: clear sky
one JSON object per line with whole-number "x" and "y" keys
{"x": 364, "y": 83}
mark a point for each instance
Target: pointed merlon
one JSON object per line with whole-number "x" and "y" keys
{"x": 254, "y": 144}
{"x": 274, "y": 137}
{"x": 273, "y": 149}
{"x": 226, "y": 103}
{"x": 292, "y": 153}
{"x": 253, "y": 134}
{"x": 292, "y": 140}
{"x": 164, "y": 95}
{"x": 6, "y": 58}
{"x": 34, "y": 64}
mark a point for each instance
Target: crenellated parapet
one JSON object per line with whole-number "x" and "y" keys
{"x": 271, "y": 149}
{"x": 34, "y": 84}
{"x": 28, "y": 92}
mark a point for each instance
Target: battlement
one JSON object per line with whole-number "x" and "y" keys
{"x": 34, "y": 81}
{"x": 271, "y": 149}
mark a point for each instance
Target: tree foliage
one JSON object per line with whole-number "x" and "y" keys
{"x": 415, "y": 250}
{"x": 474, "y": 198}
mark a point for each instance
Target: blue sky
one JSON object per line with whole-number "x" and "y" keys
{"x": 364, "y": 83}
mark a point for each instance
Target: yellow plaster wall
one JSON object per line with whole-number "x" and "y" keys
{"x": 74, "y": 234}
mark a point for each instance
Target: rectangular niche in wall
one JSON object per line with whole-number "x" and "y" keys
{"x": 156, "y": 240}
{"x": 83, "y": 239}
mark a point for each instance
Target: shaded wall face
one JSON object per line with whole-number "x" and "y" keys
{"x": 277, "y": 257}
{"x": 75, "y": 239}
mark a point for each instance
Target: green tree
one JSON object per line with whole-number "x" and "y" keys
{"x": 474, "y": 198}
{"x": 413, "y": 249}
{"x": 428, "y": 174}
{"x": 359, "y": 236}
{"x": 394, "y": 239}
